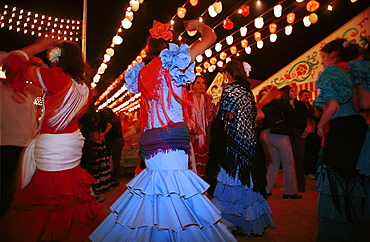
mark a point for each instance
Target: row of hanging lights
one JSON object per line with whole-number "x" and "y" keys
{"x": 126, "y": 23}
{"x": 32, "y": 23}
{"x": 132, "y": 104}
{"x": 228, "y": 24}
{"x": 210, "y": 65}
{"x": 259, "y": 22}
{"x": 311, "y": 6}
{"x": 181, "y": 13}
{"x": 213, "y": 10}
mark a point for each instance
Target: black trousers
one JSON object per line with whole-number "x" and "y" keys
{"x": 10, "y": 156}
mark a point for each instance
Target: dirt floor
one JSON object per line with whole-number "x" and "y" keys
{"x": 295, "y": 220}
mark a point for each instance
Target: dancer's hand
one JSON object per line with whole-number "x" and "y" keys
{"x": 42, "y": 44}
{"x": 47, "y": 42}
{"x": 191, "y": 24}
{"x": 320, "y": 131}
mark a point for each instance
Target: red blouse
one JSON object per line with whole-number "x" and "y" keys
{"x": 53, "y": 81}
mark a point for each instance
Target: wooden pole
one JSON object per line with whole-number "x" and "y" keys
{"x": 84, "y": 30}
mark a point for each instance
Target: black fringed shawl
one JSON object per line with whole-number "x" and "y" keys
{"x": 240, "y": 140}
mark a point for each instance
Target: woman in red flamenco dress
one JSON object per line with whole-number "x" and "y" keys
{"x": 54, "y": 202}
{"x": 202, "y": 116}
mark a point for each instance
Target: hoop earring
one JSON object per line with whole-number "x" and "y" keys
{"x": 226, "y": 80}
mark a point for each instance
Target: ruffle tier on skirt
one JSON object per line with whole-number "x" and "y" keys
{"x": 54, "y": 206}
{"x": 334, "y": 223}
{"x": 241, "y": 207}
{"x": 165, "y": 202}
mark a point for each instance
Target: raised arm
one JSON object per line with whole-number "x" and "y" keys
{"x": 208, "y": 37}
{"x": 22, "y": 66}
{"x": 40, "y": 45}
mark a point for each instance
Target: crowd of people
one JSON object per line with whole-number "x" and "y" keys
{"x": 206, "y": 170}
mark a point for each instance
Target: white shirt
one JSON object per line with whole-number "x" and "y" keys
{"x": 18, "y": 120}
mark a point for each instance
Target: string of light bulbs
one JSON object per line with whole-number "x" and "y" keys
{"x": 142, "y": 53}
{"x": 307, "y": 20}
{"x": 126, "y": 23}
{"x": 214, "y": 9}
{"x": 110, "y": 52}
{"x": 288, "y": 30}
{"x": 38, "y": 24}
{"x": 244, "y": 42}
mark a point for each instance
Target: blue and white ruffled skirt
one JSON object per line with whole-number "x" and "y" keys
{"x": 165, "y": 202}
{"x": 241, "y": 206}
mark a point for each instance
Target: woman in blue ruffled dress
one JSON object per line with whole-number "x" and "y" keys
{"x": 166, "y": 201}
{"x": 240, "y": 192}
{"x": 360, "y": 75}
{"x": 343, "y": 193}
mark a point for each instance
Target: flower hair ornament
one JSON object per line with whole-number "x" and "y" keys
{"x": 161, "y": 30}
{"x": 345, "y": 44}
{"x": 54, "y": 54}
{"x": 247, "y": 68}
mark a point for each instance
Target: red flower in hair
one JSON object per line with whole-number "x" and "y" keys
{"x": 161, "y": 30}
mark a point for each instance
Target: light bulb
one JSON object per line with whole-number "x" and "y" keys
{"x": 106, "y": 58}
{"x": 117, "y": 40}
{"x": 229, "y": 40}
{"x": 288, "y": 29}
{"x": 110, "y": 51}
{"x": 259, "y": 44}
{"x": 278, "y": 10}
{"x": 129, "y": 15}
{"x": 211, "y": 11}
{"x": 306, "y": 21}
{"x": 258, "y": 22}
{"x": 243, "y": 31}
{"x": 134, "y": 4}
{"x": 273, "y": 38}
{"x": 192, "y": 32}
{"x": 126, "y": 24}
{"x": 218, "y": 47}
{"x": 217, "y": 6}
{"x": 208, "y": 52}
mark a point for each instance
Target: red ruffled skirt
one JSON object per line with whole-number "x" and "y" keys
{"x": 201, "y": 157}
{"x": 54, "y": 206}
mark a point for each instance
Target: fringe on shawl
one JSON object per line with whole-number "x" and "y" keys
{"x": 346, "y": 186}
{"x": 150, "y": 97}
{"x": 75, "y": 99}
{"x": 240, "y": 140}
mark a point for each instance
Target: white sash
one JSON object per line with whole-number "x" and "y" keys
{"x": 52, "y": 152}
